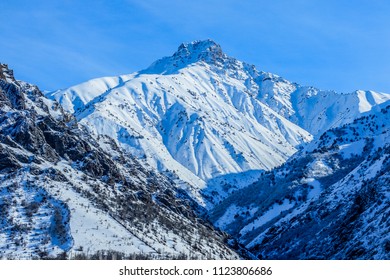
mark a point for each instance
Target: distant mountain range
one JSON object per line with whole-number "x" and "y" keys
{"x": 288, "y": 171}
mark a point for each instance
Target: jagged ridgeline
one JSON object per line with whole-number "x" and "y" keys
{"x": 62, "y": 195}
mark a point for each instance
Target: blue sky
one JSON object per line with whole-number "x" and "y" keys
{"x": 341, "y": 45}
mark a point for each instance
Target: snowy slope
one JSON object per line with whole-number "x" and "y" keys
{"x": 329, "y": 201}
{"x": 312, "y": 109}
{"x": 72, "y": 102}
{"x": 61, "y": 195}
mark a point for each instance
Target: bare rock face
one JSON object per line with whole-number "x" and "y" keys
{"x": 6, "y": 73}
{"x": 42, "y": 134}
{"x": 9, "y": 93}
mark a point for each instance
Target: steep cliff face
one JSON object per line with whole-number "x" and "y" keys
{"x": 61, "y": 193}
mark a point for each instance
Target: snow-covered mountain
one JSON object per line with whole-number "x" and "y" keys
{"x": 195, "y": 114}
{"x": 329, "y": 201}
{"x": 201, "y": 116}
{"x": 62, "y": 195}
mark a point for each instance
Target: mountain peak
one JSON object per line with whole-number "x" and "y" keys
{"x": 201, "y": 50}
